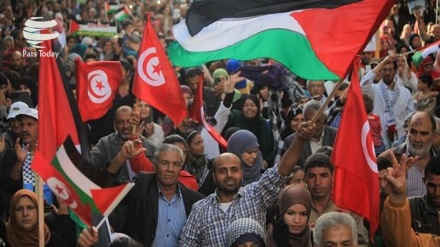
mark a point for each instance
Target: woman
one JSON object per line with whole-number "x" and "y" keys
{"x": 293, "y": 119}
{"x": 424, "y": 98}
{"x": 244, "y": 144}
{"x": 22, "y": 227}
{"x": 152, "y": 131}
{"x": 245, "y": 232}
{"x": 249, "y": 118}
{"x": 292, "y": 229}
{"x": 196, "y": 162}
{"x": 28, "y": 84}
{"x": 406, "y": 34}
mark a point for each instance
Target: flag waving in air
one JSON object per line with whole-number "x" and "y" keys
{"x": 96, "y": 85}
{"x": 197, "y": 112}
{"x": 155, "y": 81}
{"x": 425, "y": 51}
{"x": 315, "y": 39}
{"x": 356, "y": 179}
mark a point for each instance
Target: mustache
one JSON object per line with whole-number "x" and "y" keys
{"x": 25, "y": 133}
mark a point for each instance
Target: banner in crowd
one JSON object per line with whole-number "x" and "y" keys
{"x": 286, "y": 31}
{"x": 356, "y": 178}
{"x": 92, "y": 29}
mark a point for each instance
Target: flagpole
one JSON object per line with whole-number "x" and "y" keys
{"x": 327, "y": 101}
{"x": 39, "y": 190}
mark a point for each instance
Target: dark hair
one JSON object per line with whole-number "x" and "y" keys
{"x": 254, "y": 99}
{"x": 327, "y": 150}
{"x": 318, "y": 160}
{"x": 383, "y": 163}
{"x": 124, "y": 242}
{"x": 433, "y": 166}
{"x": 3, "y": 79}
{"x": 174, "y": 138}
{"x": 297, "y": 168}
{"x": 393, "y": 62}
{"x": 190, "y": 136}
{"x": 193, "y": 72}
{"x": 13, "y": 77}
{"x": 30, "y": 83}
{"x": 368, "y": 102}
{"x": 426, "y": 79}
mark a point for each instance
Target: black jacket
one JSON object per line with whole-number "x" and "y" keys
{"x": 138, "y": 213}
{"x": 424, "y": 216}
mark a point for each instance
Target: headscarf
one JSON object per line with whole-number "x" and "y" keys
{"x": 294, "y": 111}
{"x": 291, "y": 195}
{"x": 30, "y": 83}
{"x": 243, "y": 230}
{"x": 243, "y": 141}
{"x": 253, "y": 124}
{"x": 15, "y": 235}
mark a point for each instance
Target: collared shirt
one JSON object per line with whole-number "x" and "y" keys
{"x": 207, "y": 223}
{"x": 170, "y": 222}
{"x": 415, "y": 185}
{"x": 316, "y": 144}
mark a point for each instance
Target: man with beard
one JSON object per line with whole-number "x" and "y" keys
{"x": 392, "y": 102}
{"x": 108, "y": 154}
{"x": 210, "y": 218}
{"x": 421, "y": 131}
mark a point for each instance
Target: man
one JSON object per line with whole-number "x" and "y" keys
{"x": 14, "y": 130}
{"x": 425, "y": 210}
{"x": 16, "y": 171}
{"x": 324, "y": 135}
{"x": 318, "y": 171}
{"x": 116, "y": 53}
{"x": 106, "y": 154}
{"x": 209, "y": 98}
{"x": 335, "y": 229}
{"x": 16, "y": 63}
{"x": 421, "y": 131}
{"x": 155, "y": 210}
{"x": 396, "y": 216}
{"x": 316, "y": 90}
{"x": 436, "y": 140}
{"x": 210, "y": 218}
{"x": 391, "y": 102}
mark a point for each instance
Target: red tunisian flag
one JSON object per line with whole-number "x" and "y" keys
{"x": 196, "y": 112}
{"x": 96, "y": 85}
{"x": 155, "y": 81}
{"x": 356, "y": 181}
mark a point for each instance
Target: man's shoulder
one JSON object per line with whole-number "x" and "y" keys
{"x": 205, "y": 202}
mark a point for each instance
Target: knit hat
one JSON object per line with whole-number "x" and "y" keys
{"x": 242, "y": 230}
{"x": 294, "y": 194}
{"x": 220, "y": 73}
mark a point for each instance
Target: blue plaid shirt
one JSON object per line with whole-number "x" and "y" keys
{"x": 207, "y": 223}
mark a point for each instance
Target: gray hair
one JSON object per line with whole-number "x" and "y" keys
{"x": 310, "y": 81}
{"x": 332, "y": 220}
{"x": 166, "y": 147}
{"x": 9, "y": 38}
{"x": 311, "y": 106}
{"x": 437, "y": 123}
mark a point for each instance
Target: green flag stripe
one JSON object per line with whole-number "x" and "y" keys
{"x": 298, "y": 55}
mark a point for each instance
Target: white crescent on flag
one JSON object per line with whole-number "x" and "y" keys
{"x": 366, "y": 146}
{"x": 99, "y": 89}
{"x": 149, "y": 68}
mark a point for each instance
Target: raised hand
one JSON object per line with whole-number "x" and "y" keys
{"x": 62, "y": 207}
{"x": 20, "y": 152}
{"x": 306, "y": 130}
{"x": 130, "y": 149}
{"x": 396, "y": 176}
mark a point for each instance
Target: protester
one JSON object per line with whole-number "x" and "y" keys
{"x": 335, "y": 229}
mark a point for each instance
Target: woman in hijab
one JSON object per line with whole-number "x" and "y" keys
{"x": 292, "y": 230}
{"x": 293, "y": 119}
{"x": 152, "y": 131}
{"x": 249, "y": 118}
{"x": 22, "y": 227}
{"x": 244, "y": 144}
{"x": 196, "y": 163}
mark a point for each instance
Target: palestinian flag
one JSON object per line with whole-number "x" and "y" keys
{"x": 424, "y": 52}
{"x": 84, "y": 188}
{"x": 315, "y": 39}
{"x": 92, "y": 29}
{"x": 123, "y": 14}
{"x": 113, "y": 8}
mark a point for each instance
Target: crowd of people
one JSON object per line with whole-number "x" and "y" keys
{"x": 271, "y": 185}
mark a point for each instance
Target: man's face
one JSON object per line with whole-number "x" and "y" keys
{"x": 319, "y": 182}
{"x": 168, "y": 167}
{"x": 16, "y": 61}
{"x": 228, "y": 174}
{"x": 21, "y": 41}
{"x": 9, "y": 44}
{"x": 319, "y": 123}
{"x": 193, "y": 83}
{"x": 115, "y": 45}
{"x": 316, "y": 89}
{"x": 29, "y": 132}
{"x": 338, "y": 236}
{"x": 366, "y": 57}
{"x": 15, "y": 126}
{"x": 432, "y": 183}
{"x": 420, "y": 135}
{"x": 388, "y": 73}
{"x": 122, "y": 123}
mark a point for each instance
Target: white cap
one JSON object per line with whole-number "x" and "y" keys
{"x": 31, "y": 112}
{"x": 17, "y": 108}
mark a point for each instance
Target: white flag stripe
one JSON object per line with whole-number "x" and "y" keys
{"x": 82, "y": 181}
{"x": 429, "y": 50}
{"x": 226, "y": 32}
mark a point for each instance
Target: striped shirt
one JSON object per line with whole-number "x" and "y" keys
{"x": 207, "y": 223}
{"x": 415, "y": 185}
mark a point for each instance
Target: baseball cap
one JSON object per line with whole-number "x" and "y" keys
{"x": 31, "y": 112}
{"x": 17, "y": 108}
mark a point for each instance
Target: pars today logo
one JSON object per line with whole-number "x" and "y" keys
{"x": 34, "y": 37}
